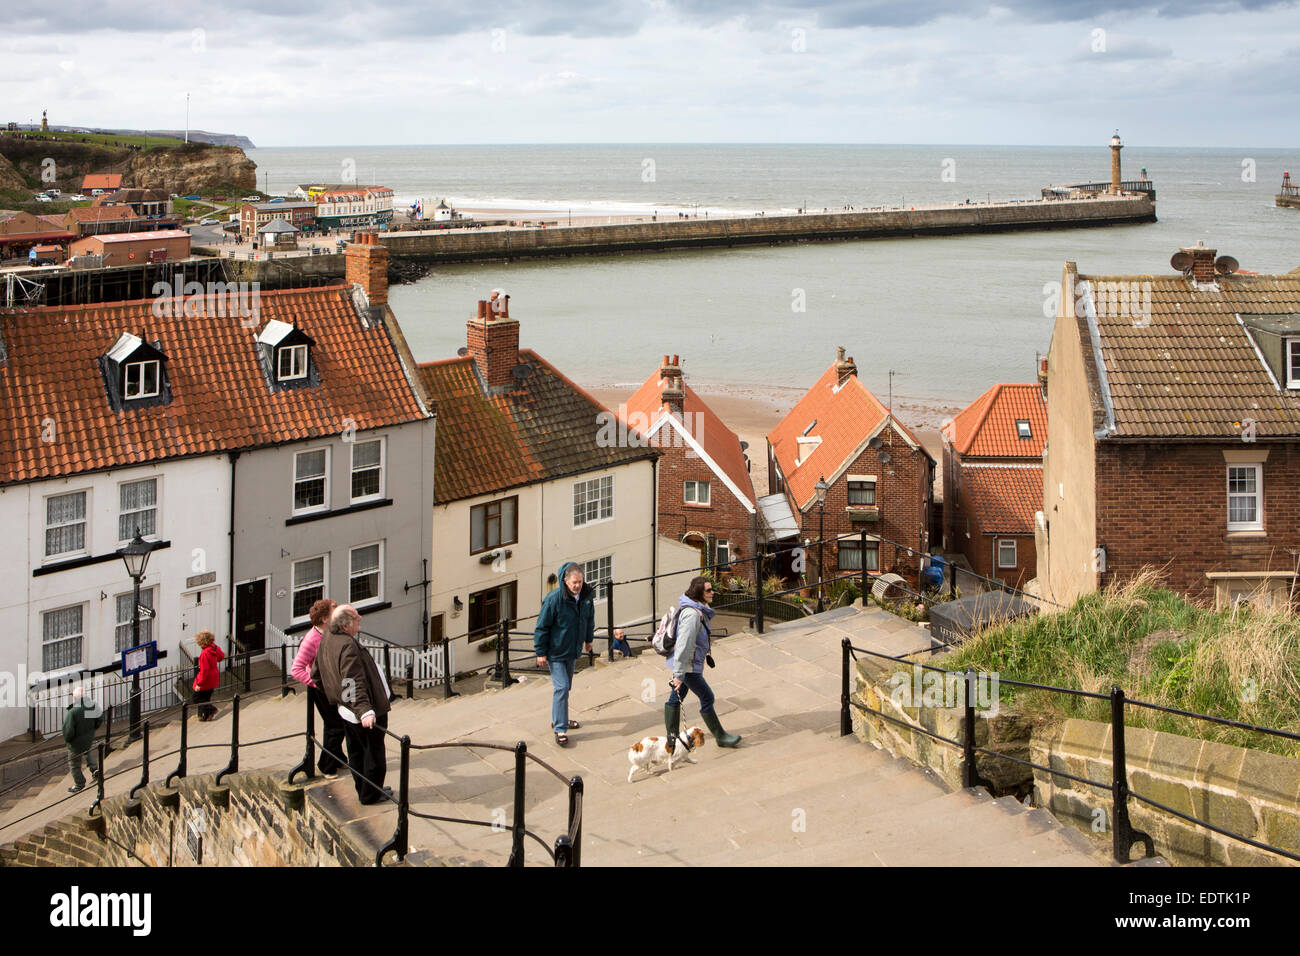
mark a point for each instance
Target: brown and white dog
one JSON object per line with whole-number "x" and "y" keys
{"x": 652, "y": 751}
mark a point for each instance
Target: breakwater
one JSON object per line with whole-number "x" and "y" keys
{"x": 471, "y": 245}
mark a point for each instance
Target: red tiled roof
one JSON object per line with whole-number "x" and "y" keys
{"x": 1003, "y": 498}
{"x": 220, "y": 397}
{"x": 102, "y": 213}
{"x": 987, "y": 427}
{"x": 719, "y": 442}
{"x": 845, "y": 418}
{"x": 541, "y": 428}
{"x": 101, "y": 181}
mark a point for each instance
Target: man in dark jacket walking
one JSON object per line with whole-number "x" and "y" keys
{"x": 79, "y": 734}
{"x": 352, "y": 682}
{"x": 566, "y": 622}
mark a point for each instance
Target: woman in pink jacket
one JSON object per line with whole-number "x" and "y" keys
{"x": 332, "y": 730}
{"x": 209, "y": 674}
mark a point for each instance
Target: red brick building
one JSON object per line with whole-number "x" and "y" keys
{"x": 705, "y": 496}
{"x": 993, "y": 481}
{"x": 134, "y": 248}
{"x": 879, "y": 474}
{"x": 1174, "y": 439}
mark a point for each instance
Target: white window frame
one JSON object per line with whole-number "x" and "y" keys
{"x": 694, "y": 485}
{"x": 1288, "y": 344}
{"x": 720, "y": 547}
{"x": 293, "y": 495}
{"x": 80, "y": 636}
{"x": 584, "y": 485}
{"x": 155, "y": 507}
{"x": 140, "y": 392}
{"x": 352, "y": 469}
{"x": 1258, "y": 523}
{"x": 84, "y": 522}
{"x": 592, "y": 577}
{"x": 122, "y": 638}
{"x": 379, "y": 570}
{"x": 293, "y": 583}
{"x": 1015, "y": 554}
{"x": 1028, "y": 432}
{"x": 291, "y": 351}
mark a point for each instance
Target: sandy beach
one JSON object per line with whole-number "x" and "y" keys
{"x": 751, "y": 415}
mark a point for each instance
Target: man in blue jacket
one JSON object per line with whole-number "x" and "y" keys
{"x": 567, "y": 621}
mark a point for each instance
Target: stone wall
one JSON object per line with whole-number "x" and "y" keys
{"x": 1249, "y": 792}
{"x": 250, "y": 820}
{"x": 464, "y": 245}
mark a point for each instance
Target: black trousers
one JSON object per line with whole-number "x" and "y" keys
{"x": 367, "y": 759}
{"x": 332, "y": 734}
{"x": 206, "y": 710}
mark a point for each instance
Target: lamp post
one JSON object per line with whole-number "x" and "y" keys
{"x": 136, "y": 558}
{"x": 820, "y": 488}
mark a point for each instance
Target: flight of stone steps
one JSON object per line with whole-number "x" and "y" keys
{"x": 794, "y": 793}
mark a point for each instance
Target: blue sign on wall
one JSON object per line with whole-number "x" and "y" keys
{"x": 137, "y": 659}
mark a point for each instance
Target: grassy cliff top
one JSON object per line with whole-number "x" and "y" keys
{"x": 1239, "y": 664}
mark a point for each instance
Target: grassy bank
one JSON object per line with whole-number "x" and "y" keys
{"x": 1238, "y": 664}
{"x": 110, "y": 140}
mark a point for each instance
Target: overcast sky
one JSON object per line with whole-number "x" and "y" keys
{"x": 327, "y": 72}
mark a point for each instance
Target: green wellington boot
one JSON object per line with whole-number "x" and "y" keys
{"x": 723, "y": 738}
{"x": 672, "y": 724}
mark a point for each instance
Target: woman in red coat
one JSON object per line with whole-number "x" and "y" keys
{"x": 209, "y": 677}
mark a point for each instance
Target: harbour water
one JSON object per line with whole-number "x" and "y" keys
{"x": 948, "y": 315}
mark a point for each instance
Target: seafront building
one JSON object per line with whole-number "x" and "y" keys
{"x": 705, "y": 498}
{"x": 524, "y": 482}
{"x": 993, "y": 481}
{"x": 348, "y": 206}
{"x": 1174, "y": 437}
{"x": 878, "y": 479}
{"x": 273, "y": 451}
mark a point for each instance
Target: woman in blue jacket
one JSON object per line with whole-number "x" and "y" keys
{"x": 687, "y": 664}
{"x": 566, "y": 622}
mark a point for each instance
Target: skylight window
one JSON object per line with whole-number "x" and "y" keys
{"x": 1022, "y": 428}
{"x": 811, "y": 426}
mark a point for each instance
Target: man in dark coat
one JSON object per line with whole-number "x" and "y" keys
{"x": 79, "y": 734}
{"x": 352, "y": 682}
{"x": 565, "y": 624}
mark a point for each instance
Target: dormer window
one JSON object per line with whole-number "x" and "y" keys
{"x": 135, "y": 373}
{"x": 286, "y": 355}
{"x": 291, "y": 362}
{"x": 1022, "y": 428}
{"x": 142, "y": 379}
{"x": 1276, "y": 338}
{"x": 1293, "y": 363}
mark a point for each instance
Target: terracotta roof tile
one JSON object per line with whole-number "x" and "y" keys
{"x": 987, "y": 427}
{"x": 220, "y": 397}
{"x": 719, "y": 442}
{"x": 541, "y": 428}
{"x": 1003, "y": 498}
{"x": 844, "y": 417}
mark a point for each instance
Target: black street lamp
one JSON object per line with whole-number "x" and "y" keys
{"x": 136, "y": 558}
{"x": 820, "y": 488}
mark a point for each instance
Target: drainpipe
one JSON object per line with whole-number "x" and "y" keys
{"x": 654, "y": 534}
{"x": 234, "y": 457}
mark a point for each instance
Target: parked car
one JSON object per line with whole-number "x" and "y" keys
{"x": 276, "y": 199}
{"x": 189, "y": 197}
{"x": 207, "y": 222}
{"x": 43, "y": 198}
{"x": 252, "y": 199}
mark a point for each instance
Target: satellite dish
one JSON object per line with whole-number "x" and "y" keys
{"x": 1181, "y": 261}
{"x": 1226, "y": 265}
{"x": 744, "y": 446}
{"x": 886, "y": 458}
{"x": 874, "y": 442}
{"x": 462, "y": 351}
{"x": 521, "y": 371}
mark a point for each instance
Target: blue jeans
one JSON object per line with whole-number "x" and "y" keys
{"x": 562, "y": 678}
{"x": 697, "y": 684}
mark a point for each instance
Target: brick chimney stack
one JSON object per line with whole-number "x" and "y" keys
{"x": 493, "y": 340}
{"x": 674, "y": 392}
{"x": 1202, "y": 263}
{"x": 366, "y": 264}
{"x": 844, "y": 367}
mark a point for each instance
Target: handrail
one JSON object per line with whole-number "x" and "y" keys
{"x": 1123, "y": 834}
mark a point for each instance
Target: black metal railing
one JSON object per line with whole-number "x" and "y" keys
{"x": 1123, "y": 834}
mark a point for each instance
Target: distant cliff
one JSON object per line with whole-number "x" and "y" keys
{"x": 196, "y": 135}
{"x": 196, "y": 168}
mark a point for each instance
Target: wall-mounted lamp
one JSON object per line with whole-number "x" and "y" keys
{"x": 457, "y": 604}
